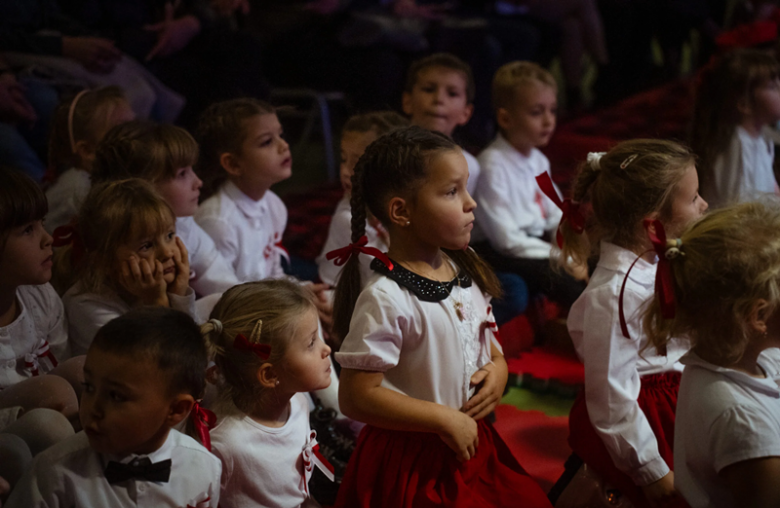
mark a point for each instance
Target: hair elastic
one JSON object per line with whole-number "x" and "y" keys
{"x": 342, "y": 255}
{"x": 571, "y": 209}
{"x": 594, "y": 160}
{"x": 628, "y": 160}
{"x": 217, "y": 324}
{"x": 71, "y": 112}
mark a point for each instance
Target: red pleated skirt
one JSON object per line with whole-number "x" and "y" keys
{"x": 396, "y": 469}
{"x": 658, "y": 400}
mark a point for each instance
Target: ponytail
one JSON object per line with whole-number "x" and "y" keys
{"x": 477, "y": 269}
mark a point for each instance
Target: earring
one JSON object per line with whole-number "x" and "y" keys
{"x": 408, "y": 222}
{"x": 277, "y": 382}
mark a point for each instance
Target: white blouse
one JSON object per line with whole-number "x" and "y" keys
{"x": 210, "y": 273}
{"x": 40, "y": 327}
{"x": 71, "y": 473}
{"x": 248, "y": 233}
{"x": 407, "y": 327}
{"x": 614, "y": 364}
{"x": 513, "y": 214}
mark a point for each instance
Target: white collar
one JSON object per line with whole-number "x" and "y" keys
{"x": 164, "y": 452}
{"x": 619, "y": 260}
{"x": 248, "y": 206}
{"x": 767, "y": 385}
{"x": 505, "y": 146}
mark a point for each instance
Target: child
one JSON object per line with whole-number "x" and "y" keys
{"x": 143, "y": 374}
{"x": 125, "y": 252}
{"x": 439, "y": 96}
{"x": 621, "y": 426}
{"x": 514, "y": 217}
{"x": 267, "y": 351}
{"x": 164, "y": 155}
{"x": 418, "y": 344}
{"x": 359, "y": 132}
{"x": 738, "y": 99}
{"x": 77, "y": 127}
{"x": 725, "y": 286}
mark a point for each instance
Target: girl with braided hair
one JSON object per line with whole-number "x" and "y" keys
{"x": 420, "y": 363}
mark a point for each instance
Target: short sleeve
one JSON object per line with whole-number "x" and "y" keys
{"x": 743, "y": 433}
{"x": 375, "y": 333}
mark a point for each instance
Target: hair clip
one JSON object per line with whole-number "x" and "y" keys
{"x": 628, "y": 160}
{"x": 594, "y": 160}
{"x": 255, "y": 335}
{"x": 217, "y": 324}
{"x": 71, "y": 112}
{"x": 262, "y": 351}
{"x": 342, "y": 255}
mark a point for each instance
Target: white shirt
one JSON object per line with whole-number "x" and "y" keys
{"x": 424, "y": 350}
{"x": 65, "y": 197}
{"x": 340, "y": 235}
{"x": 88, "y": 312}
{"x": 210, "y": 272}
{"x": 247, "y": 232}
{"x": 264, "y": 466}
{"x": 615, "y": 364}
{"x": 41, "y": 321}
{"x": 743, "y": 172}
{"x": 513, "y": 213}
{"x": 474, "y": 171}
{"x": 723, "y": 417}
{"x": 70, "y": 474}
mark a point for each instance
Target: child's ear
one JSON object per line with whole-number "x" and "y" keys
{"x": 229, "y": 163}
{"x": 398, "y": 212}
{"x": 503, "y": 119}
{"x": 406, "y": 103}
{"x": 759, "y": 316}
{"x": 267, "y": 376}
{"x": 466, "y": 116}
{"x": 181, "y": 406}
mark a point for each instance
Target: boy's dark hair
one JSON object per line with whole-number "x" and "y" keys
{"x": 168, "y": 337}
{"x": 143, "y": 149}
{"x": 222, "y": 129}
{"x": 21, "y": 201}
{"x": 395, "y": 165}
{"x": 446, "y": 60}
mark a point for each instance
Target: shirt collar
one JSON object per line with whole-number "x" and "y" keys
{"x": 427, "y": 290}
{"x": 164, "y": 452}
{"x": 767, "y": 385}
{"x": 619, "y": 260}
{"x": 505, "y": 146}
{"x": 248, "y": 206}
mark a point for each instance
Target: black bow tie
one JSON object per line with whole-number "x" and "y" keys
{"x": 140, "y": 469}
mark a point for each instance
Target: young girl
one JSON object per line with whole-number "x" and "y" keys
{"x": 621, "y": 426}
{"x": 726, "y": 290}
{"x": 420, "y": 364}
{"x": 737, "y": 100}
{"x": 359, "y": 132}
{"x": 125, "y": 252}
{"x": 264, "y": 336}
{"x": 77, "y": 127}
{"x": 164, "y": 155}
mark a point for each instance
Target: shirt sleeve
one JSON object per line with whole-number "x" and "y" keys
{"x": 185, "y": 304}
{"x": 57, "y": 333}
{"x": 213, "y": 273}
{"x": 87, "y": 313}
{"x": 612, "y": 386}
{"x": 224, "y": 237}
{"x": 503, "y": 222}
{"x": 375, "y": 335}
{"x": 742, "y": 433}
{"x": 339, "y": 235}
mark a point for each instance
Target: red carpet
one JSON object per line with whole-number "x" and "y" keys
{"x": 538, "y": 441}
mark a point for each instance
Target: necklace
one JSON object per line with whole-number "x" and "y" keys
{"x": 457, "y": 304}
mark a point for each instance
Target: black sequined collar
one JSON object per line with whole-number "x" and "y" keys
{"x": 427, "y": 290}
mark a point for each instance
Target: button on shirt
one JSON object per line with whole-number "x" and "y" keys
{"x": 70, "y": 474}
{"x": 513, "y": 213}
{"x": 248, "y": 233}
{"x": 614, "y": 364}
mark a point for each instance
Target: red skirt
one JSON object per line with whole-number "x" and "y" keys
{"x": 658, "y": 400}
{"x": 417, "y": 470}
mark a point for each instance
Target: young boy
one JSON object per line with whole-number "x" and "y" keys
{"x": 143, "y": 373}
{"x": 513, "y": 216}
{"x": 439, "y": 96}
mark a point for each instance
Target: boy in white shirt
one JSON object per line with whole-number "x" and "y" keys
{"x": 439, "y": 96}
{"x": 514, "y": 219}
{"x": 143, "y": 374}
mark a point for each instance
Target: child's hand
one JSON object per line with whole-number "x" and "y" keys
{"x": 324, "y": 308}
{"x": 661, "y": 493}
{"x": 173, "y": 34}
{"x": 460, "y": 434}
{"x": 181, "y": 283}
{"x": 489, "y": 395}
{"x": 144, "y": 281}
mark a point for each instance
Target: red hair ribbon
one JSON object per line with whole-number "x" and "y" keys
{"x": 31, "y": 359}
{"x": 342, "y": 255}
{"x": 570, "y": 209}
{"x": 203, "y": 420}
{"x": 262, "y": 351}
{"x": 664, "y": 287}
{"x": 69, "y": 235}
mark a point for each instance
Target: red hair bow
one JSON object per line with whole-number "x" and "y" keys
{"x": 343, "y": 254}
{"x": 262, "y": 351}
{"x": 69, "y": 235}
{"x": 664, "y": 286}
{"x": 570, "y": 209}
{"x": 203, "y": 420}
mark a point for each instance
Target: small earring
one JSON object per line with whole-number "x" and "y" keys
{"x": 408, "y": 222}
{"x": 277, "y": 382}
